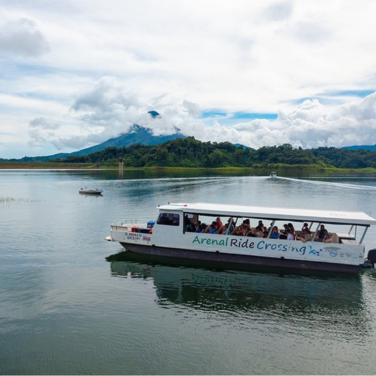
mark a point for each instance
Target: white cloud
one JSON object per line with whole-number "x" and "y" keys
{"x": 109, "y": 63}
{"x": 43, "y": 123}
{"x": 22, "y": 38}
{"x": 278, "y": 11}
{"x": 109, "y": 109}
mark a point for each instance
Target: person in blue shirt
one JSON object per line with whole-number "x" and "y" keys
{"x": 275, "y": 233}
{"x": 213, "y": 228}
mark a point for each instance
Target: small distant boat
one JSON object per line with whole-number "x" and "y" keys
{"x": 87, "y": 191}
{"x": 273, "y": 175}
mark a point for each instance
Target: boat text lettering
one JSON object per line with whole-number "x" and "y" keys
{"x": 209, "y": 241}
{"x": 301, "y": 250}
{"x": 133, "y": 235}
{"x": 273, "y": 246}
{"x": 248, "y": 243}
{"x": 242, "y": 243}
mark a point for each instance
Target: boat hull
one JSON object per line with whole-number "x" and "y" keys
{"x": 90, "y": 192}
{"x": 238, "y": 259}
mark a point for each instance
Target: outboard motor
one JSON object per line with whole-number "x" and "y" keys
{"x": 371, "y": 257}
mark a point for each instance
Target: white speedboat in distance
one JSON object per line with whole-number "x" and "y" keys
{"x": 273, "y": 175}
{"x": 88, "y": 191}
{"x": 176, "y": 234}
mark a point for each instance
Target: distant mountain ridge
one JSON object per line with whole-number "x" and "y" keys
{"x": 357, "y": 147}
{"x": 136, "y": 135}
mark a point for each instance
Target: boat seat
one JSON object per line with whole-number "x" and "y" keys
{"x": 335, "y": 238}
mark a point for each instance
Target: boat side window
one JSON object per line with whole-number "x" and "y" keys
{"x": 170, "y": 219}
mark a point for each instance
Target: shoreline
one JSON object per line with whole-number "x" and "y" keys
{"x": 267, "y": 168}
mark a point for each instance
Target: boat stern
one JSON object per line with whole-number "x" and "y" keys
{"x": 131, "y": 233}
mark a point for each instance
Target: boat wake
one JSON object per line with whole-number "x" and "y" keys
{"x": 333, "y": 184}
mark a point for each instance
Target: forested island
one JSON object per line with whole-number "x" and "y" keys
{"x": 189, "y": 152}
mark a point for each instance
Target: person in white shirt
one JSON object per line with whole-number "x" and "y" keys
{"x": 290, "y": 236}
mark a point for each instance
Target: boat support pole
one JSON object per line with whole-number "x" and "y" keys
{"x": 271, "y": 228}
{"x": 317, "y": 230}
{"x": 364, "y": 234}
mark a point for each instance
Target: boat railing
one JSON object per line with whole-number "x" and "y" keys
{"x": 125, "y": 222}
{"x": 131, "y": 223}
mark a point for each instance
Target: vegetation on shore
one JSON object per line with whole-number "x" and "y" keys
{"x": 190, "y": 153}
{"x": 44, "y": 165}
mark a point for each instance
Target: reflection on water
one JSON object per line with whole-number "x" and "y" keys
{"x": 313, "y": 300}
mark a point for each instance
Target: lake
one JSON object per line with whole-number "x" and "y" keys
{"x": 65, "y": 309}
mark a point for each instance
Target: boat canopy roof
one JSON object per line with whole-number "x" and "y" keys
{"x": 285, "y": 214}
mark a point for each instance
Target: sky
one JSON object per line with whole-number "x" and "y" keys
{"x": 259, "y": 73}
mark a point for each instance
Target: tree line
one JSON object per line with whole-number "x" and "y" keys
{"x": 189, "y": 152}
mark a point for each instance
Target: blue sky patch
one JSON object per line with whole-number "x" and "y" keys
{"x": 254, "y": 115}
{"x": 238, "y": 115}
{"x": 334, "y": 97}
{"x": 349, "y": 93}
{"x": 211, "y": 114}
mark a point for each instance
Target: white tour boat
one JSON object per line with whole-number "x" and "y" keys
{"x": 273, "y": 175}
{"x": 173, "y": 235}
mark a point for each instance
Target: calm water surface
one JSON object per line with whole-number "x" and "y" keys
{"x": 64, "y": 309}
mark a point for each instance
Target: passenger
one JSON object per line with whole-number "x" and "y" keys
{"x": 268, "y": 229}
{"x": 247, "y": 225}
{"x": 223, "y": 229}
{"x": 251, "y": 233}
{"x": 241, "y": 230}
{"x": 321, "y": 234}
{"x": 328, "y": 238}
{"x": 189, "y": 227}
{"x": 304, "y": 234}
{"x": 285, "y": 226}
{"x": 198, "y": 227}
{"x": 232, "y": 228}
{"x": 305, "y": 226}
{"x": 275, "y": 233}
{"x": 235, "y": 231}
{"x": 307, "y": 236}
{"x": 213, "y": 228}
{"x": 262, "y": 226}
{"x": 290, "y": 236}
{"x": 259, "y": 232}
{"x": 283, "y": 234}
{"x": 203, "y": 227}
{"x": 291, "y": 227}
{"x": 218, "y": 223}
{"x": 206, "y": 229}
